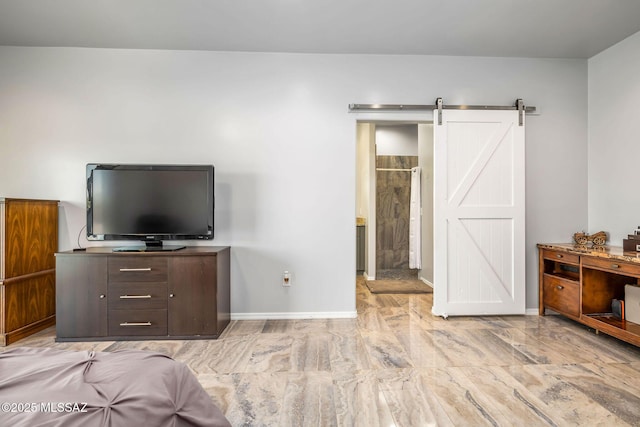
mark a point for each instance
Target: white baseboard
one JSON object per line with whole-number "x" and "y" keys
{"x": 321, "y": 315}
{"x": 426, "y": 282}
{"x": 295, "y": 315}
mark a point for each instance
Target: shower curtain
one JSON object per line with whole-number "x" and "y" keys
{"x": 415, "y": 228}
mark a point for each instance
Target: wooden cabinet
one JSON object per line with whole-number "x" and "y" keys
{"x": 580, "y": 283}
{"x": 114, "y": 295}
{"x": 560, "y": 282}
{"x": 186, "y": 287}
{"x": 361, "y": 249}
{"x": 28, "y": 242}
{"x": 137, "y": 295}
{"x": 562, "y": 295}
{"x": 81, "y": 296}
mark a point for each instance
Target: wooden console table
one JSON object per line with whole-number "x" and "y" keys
{"x": 579, "y": 282}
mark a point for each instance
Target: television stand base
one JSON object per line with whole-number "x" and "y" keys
{"x": 164, "y": 248}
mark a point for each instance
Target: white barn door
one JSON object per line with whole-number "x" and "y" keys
{"x": 479, "y": 212}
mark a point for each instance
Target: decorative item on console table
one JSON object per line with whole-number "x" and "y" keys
{"x": 632, "y": 243}
{"x": 598, "y": 239}
{"x": 28, "y": 241}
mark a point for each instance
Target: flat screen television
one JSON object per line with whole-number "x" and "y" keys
{"x": 150, "y": 203}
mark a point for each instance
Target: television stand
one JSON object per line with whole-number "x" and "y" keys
{"x": 107, "y": 295}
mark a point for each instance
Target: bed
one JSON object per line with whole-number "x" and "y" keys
{"x": 49, "y": 387}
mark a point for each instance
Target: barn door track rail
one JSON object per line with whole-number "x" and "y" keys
{"x": 439, "y": 105}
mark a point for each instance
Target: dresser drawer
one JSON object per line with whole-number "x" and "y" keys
{"x": 137, "y": 322}
{"x": 612, "y": 265}
{"x": 561, "y": 295}
{"x": 561, "y": 256}
{"x": 135, "y": 296}
{"x": 137, "y": 269}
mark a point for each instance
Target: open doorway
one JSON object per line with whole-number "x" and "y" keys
{"x": 387, "y": 151}
{"x": 396, "y": 200}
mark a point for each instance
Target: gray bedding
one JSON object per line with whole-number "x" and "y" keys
{"x": 48, "y": 387}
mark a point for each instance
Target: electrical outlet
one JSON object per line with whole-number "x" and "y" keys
{"x": 286, "y": 278}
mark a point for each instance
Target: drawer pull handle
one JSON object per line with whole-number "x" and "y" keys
{"x": 135, "y": 324}
{"x": 126, "y": 270}
{"x": 102, "y": 296}
{"x": 559, "y": 256}
{"x": 559, "y": 287}
{"x": 615, "y": 266}
{"x": 171, "y": 295}
{"x": 134, "y": 296}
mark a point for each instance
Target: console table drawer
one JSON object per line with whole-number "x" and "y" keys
{"x": 127, "y": 296}
{"x": 612, "y": 265}
{"x": 137, "y": 269}
{"x": 562, "y": 295}
{"x": 561, "y": 256}
{"x": 137, "y": 322}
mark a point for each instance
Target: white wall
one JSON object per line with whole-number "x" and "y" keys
{"x": 614, "y": 142}
{"x": 365, "y": 134}
{"x": 425, "y": 159}
{"x": 276, "y": 127}
{"x": 365, "y": 188}
{"x": 397, "y": 140}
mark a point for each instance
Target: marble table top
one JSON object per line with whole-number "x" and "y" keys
{"x": 609, "y": 252}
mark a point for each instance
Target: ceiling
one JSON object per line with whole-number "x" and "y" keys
{"x": 524, "y": 28}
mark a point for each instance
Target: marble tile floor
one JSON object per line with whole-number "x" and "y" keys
{"x": 397, "y": 365}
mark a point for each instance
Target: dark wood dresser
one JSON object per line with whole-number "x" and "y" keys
{"x": 580, "y": 282}
{"x": 106, "y": 295}
{"x": 28, "y": 242}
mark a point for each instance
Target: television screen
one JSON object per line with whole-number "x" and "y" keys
{"x": 149, "y": 202}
